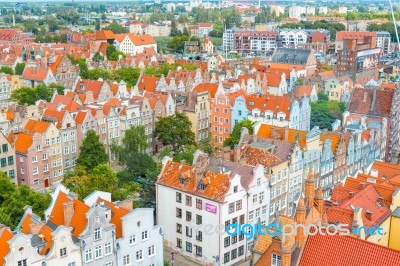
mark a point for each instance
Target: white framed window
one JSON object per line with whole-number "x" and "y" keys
{"x": 59, "y": 162}
{"x": 97, "y": 233}
{"x": 44, "y": 156}
{"x": 45, "y": 168}
{"x": 88, "y": 255}
{"x": 145, "y": 235}
{"x": 54, "y": 163}
{"x": 21, "y": 159}
{"x": 107, "y": 248}
{"x": 34, "y": 159}
{"x": 73, "y": 148}
{"x": 63, "y": 252}
{"x": 139, "y": 255}
{"x": 66, "y": 150}
{"x": 98, "y": 252}
{"x": 22, "y": 263}
{"x": 126, "y": 260}
{"x": 38, "y": 148}
{"x": 65, "y": 137}
{"x": 72, "y": 264}
{"x": 132, "y": 239}
{"x": 22, "y": 170}
{"x": 72, "y": 135}
{"x": 35, "y": 171}
{"x": 152, "y": 251}
{"x": 108, "y": 263}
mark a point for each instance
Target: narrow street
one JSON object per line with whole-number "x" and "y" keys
{"x": 178, "y": 259}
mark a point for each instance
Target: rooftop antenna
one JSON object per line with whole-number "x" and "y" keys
{"x": 395, "y": 24}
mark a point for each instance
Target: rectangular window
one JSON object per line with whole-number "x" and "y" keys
{"x": 189, "y": 247}
{"x": 145, "y": 235}
{"x": 5, "y": 147}
{"x": 179, "y": 228}
{"x": 107, "y": 248}
{"x": 126, "y": 260}
{"x": 188, "y": 216}
{"x": 35, "y": 171}
{"x": 10, "y": 160}
{"x": 178, "y": 197}
{"x": 231, "y": 207}
{"x": 276, "y": 260}
{"x": 241, "y": 250}
{"x": 188, "y": 200}
{"x": 3, "y": 162}
{"x": 199, "y": 236}
{"x": 199, "y": 219}
{"x": 63, "y": 252}
{"x": 226, "y": 257}
{"x": 188, "y": 231}
{"x": 72, "y": 135}
{"x": 227, "y": 241}
{"x": 179, "y": 243}
{"x": 22, "y": 263}
{"x": 238, "y": 205}
{"x": 199, "y": 204}
{"x": 139, "y": 255}
{"x": 178, "y": 213}
{"x": 66, "y": 150}
{"x": 73, "y": 148}
{"x": 97, "y": 233}
{"x": 151, "y": 251}
{"x": 132, "y": 240}
{"x": 234, "y": 254}
{"x": 44, "y": 156}
{"x": 88, "y": 255}
{"x": 98, "y": 252}
{"x": 199, "y": 251}
{"x": 65, "y": 137}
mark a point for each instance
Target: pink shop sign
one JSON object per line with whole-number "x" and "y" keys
{"x": 211, "y": 208}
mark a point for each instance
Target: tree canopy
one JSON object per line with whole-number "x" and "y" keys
{"x": 324, "y": 113}
{"x": 7, "y": 70}
{"x": 116, "y": 28}
{"x": 31, "y": 95}
{"x": 92, "y": 152}
{"x": 237, "y": 129}
{"x": 175, "y": 130}
{"x": 19, "y": 68}
{"x": 13, "y": 199}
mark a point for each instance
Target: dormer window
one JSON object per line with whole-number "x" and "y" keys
{"x": 202, "y": 186}
{"x": 181, "y": 179}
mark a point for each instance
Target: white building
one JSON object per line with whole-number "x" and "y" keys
{"x": 228, "y": 40}
{"x": 297, "y": 11}
{"x": 383, "y": 41}
{"x": 133, "y": 44}
{"x": 293, "y": 38}
{"x": 342, "y": 10}
{"x": 205, "y": 198}
{"x": 278, "y": 10}
{"x": 323, "y": 10}
{"x": 5, "y": 89}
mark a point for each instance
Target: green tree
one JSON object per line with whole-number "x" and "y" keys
{"x": 63, "y": 38}
{"x": 140, "y": 170}
{"x": 97, "y": 57}
{"x": 115, "y": 56}
{"x": 130, "y": 75}
{"x": 186, "y": 154}
{"x": 24, "y": 95}
{"x": 103, "y": 16}
{"x": 97, "y": 25}
{"x": 19, "y": 68}
{"x": 48, "y": 39}
{"x": 39, "y": 39}
{"x": 322, "y": 96}
{"x": 237, "y": 129}
{"x": 7, "y": 70}
{"x": 110, "y": 49}
{"x": 96, "y": 73}
{"x": 92, "y": 152}
{"x": 13, "y": 200}
{"x": 43, "y": 92}
{"x": 56, "y": 38}
{"x": 324, "y": 113}
{"x": 116, "y": 28}
{"x": 175, "y": 130}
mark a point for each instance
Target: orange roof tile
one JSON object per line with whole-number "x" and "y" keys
{"x": 116, "y": 214}
{"x": 346, "y": 251}
{"x": 148, "y": 83}
{"x": 37, "y": 126}
{"x": 272, "y": 103}
{"x": 23, "y": 142}
{"x": 34, "y": 73}
{"x": 333, "y": 136}
{"x": 210, "y": 87}
{"x": 266, "y": 131}
{"x": 5, "y": 236}
{"x": 56, "y": 115}
{"x": 105, "y": 35}
{"x": 216, "y": 190}
{"x": 54, "y": 66}
{"x": 78, "y": 221}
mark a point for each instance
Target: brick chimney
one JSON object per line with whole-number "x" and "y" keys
{"x": 310, "y": 188}
{"x": 300, "y": 219}
{"x": 351, "y": 194}
{"x": 236, "y": 154}
{"x": 319, "y": 200}
{"x": 68, "y": 212}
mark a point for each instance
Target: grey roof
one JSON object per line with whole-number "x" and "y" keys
{"x": 245, "y": 171}
{"x": 291, "y": 56}
{"x": 282, "y": 148}
{"x": 37, "y": 242}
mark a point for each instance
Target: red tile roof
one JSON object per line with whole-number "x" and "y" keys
{"x": 267, "y": 131}
{"x": 346, "y": 251}
{"x": 105, "y": 35}
{"x": 216, "y": 189}
{"x": 78, "y": 221}
{"x": 359, "y": 35}
{"x": 210, "y": 87}
{"x": 371, "y": 102}
{"x": 56, "y": 115}
{"x": 5, "y": 236}
{"x": 148, "y": 83}
{"x": 272, "y": 103}
{"x": 37, "y": 126}
{"x": 34, "y": 73}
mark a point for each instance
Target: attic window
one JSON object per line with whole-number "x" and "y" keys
{"x": 181, "y": 179}
{"x": 277, "y": 106}
{"x": 251, "y": 103}
{"x": 202, "y": 186}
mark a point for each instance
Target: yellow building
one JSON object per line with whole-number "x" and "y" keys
{"x": 394, "y": 232}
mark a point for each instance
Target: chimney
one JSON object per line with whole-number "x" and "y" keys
{"x": 362, "y": 185}
{"x": 310, "y": 188}
{"x": 319, "y": 199}
{"x": 381, "y": 201}
{"x": 236, "y": 154}
{"x": 368, "y": 215}
{"x": 41, "y": 236}
{"x": 365, "y": 96}
{"x": 68, "y": 212}
{"x": 126, "y": 204}
{"x": 351, "y": 194}
{"x": 300, "y": 217}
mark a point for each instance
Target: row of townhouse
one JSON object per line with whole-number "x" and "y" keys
{"x": 94, "y": 231}
{"x": 332, "y": 155}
